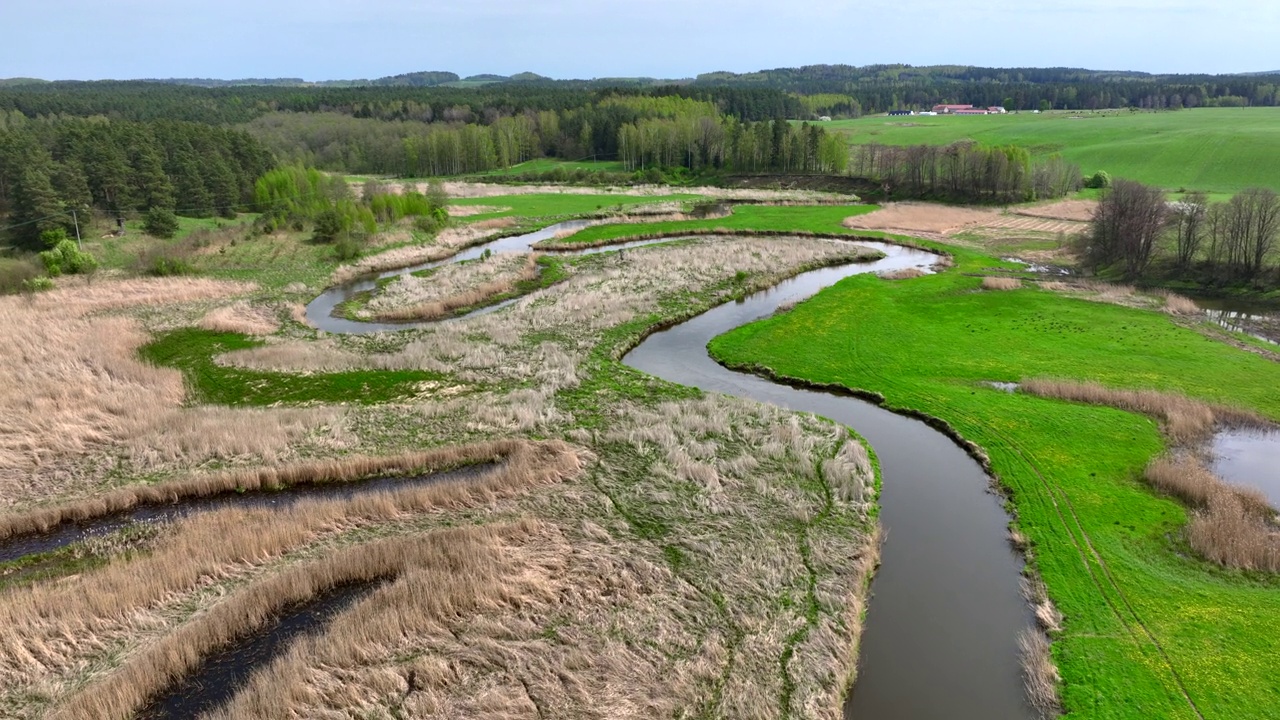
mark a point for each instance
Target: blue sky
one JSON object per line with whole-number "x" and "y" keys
{"x": 340, "y": 39}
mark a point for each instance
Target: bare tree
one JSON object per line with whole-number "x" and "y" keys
{"x": 1190, "y": 217}
{"x": 1264, "y": 223}
{"x": 1128, "y": 221}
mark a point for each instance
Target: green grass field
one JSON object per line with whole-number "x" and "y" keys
{"x": 541, "y": 165}
{"x": 1219, "y": 150}
{"x": 1072, "y": 470}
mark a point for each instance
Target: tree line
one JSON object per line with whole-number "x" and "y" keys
{"x": 964, "y": 171}
{"x": 879, "y": 88}
{"x": 641, "y": 130}
{"x": 50, "y": 168}
{"x": 1135, "y": 228}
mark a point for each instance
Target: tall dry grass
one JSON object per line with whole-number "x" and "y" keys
{"x": 241, "y": 317}
{"x": 70, "y": 379}
{"x": 250, "y": 479}
{"x": 452, "y": 287}
{"x": 1038, "y": 672}
{"x": 1001, "y": 283}
{"x": 49, "y": 626}
{"x": 1176, "y": 304}
{"x": 443, "y": 574}
{"x": 1184, "y": 420}
{"x": 1229, "y": 532}
{"x": 903, "y": 274}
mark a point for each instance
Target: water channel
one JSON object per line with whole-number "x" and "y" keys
{"x": 66, "y": 533}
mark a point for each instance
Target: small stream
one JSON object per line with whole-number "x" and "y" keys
{"x": 223, "y": 673}
{"x": 67, "y": 533}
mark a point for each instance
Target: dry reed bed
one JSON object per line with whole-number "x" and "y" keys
{"x": 1176, "y": 304}
{"x": 241, "y": 317}
{"x": 903, "y": 274}
{"x": 455, "y": 571}
{"x": 71, "y": 383}
{"x": 1001, "y": 283}
{"x": 252, "y": 479}
{"x": 1232, "y": 526}
{"x": 1184, "y": 420}
{"x": 451, "y": 288}
{"x": 52, "y": 629}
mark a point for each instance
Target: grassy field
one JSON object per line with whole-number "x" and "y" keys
{"x": 1072, "y": 470}
{"x": 1220, "y": 150}
{"x": 542, "y": 165}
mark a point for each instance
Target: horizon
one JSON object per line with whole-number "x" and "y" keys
{"x": 338, "y": 40}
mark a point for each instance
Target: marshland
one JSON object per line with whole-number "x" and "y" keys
{"x": 482, "y": 431}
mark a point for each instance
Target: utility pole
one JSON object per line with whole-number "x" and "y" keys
{"x": 76, "y": 220}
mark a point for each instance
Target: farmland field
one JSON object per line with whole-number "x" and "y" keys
{"x": 1218, "y": 150}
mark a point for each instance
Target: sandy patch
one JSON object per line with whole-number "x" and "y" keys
{"x": 922, "y": 217}
{"x": 1075, "y": 210}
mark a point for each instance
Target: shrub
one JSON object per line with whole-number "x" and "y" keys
{"x": 161, "y": 223}
{"x": 63, "y": 256}
{"x": 37, "y": 284}
{"x": 15, "y": 274}
{"x": 165, "y": 259}
{"x": 347, "y": 247}
{"x": 1098, "y": 180}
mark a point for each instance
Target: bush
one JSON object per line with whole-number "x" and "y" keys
{"x": 16, "y": 274}
{"x": 63, "y": 256}
{"x": 1098, "y": 180}
{"x": 37, "y": 284}
{"x": 161, "y": 223}
{"x": 164, "y": 259}
{"x": 347, "y": 248}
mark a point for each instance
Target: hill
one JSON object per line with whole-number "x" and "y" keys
{"x": 1218, "y": 150}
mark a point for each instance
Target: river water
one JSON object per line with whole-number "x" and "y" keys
{"x": 940, "y": 637}
{"x": 1250, "y": 458}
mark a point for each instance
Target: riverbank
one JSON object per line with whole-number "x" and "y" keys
{"x": 1135, "y": 641}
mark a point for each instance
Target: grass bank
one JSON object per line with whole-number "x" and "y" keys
{"x": 1150, "y": 631}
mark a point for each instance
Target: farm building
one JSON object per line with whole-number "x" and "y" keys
{"x": 902, "y": 112}
{"x": 967, "y": 110}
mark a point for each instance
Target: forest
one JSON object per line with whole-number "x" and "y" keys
{"x": 51, "y": 167}
{"x": 965, "y": 171}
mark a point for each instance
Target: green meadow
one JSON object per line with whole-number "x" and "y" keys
{"x": 1142, "y": 613}
{"x": 1220, "y": 150}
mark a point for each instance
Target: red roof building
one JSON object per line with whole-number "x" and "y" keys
{"x": 946, "y": 109}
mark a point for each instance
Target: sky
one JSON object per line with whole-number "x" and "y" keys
{"x": 346, "y": 39}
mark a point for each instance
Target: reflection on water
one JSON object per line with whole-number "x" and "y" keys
{"x": 1250, "y": 458}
